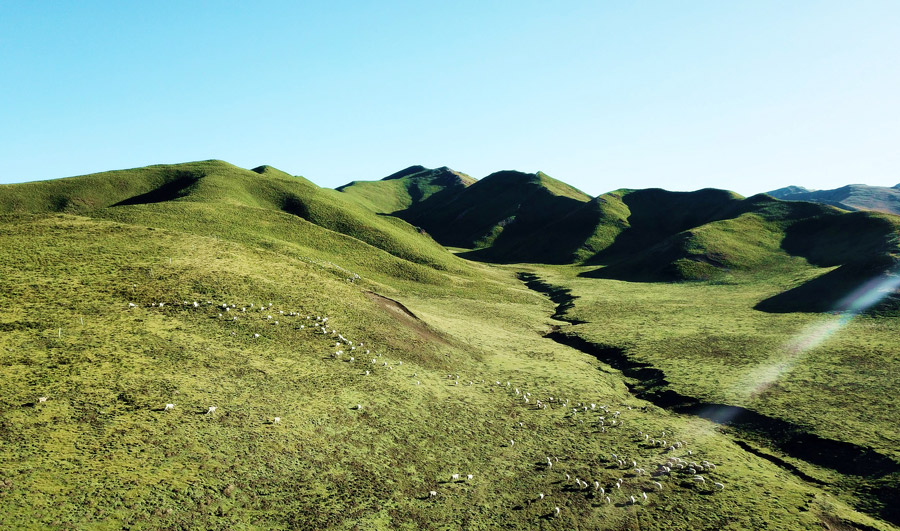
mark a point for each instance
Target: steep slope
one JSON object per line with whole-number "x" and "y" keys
{"x": 852, "y": 197}
{"x": 505, "y": 204}
{"x": 408, "y": 188}
{"x": 181, "y": 194}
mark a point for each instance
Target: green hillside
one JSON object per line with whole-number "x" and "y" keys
{"x": 356, "y": 366}
{"x": 504, "y": 204}
{"x": 181, "y": 195}
{"x": 408, "y": 188}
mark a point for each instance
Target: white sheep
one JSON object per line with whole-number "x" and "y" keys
{"x": 276, "y": 420}
{"x": 169, "y": 407}
{"x": 212, "y": 409}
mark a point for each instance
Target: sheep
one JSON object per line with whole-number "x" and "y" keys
{"x": 644, "y": 494}
{"x": 358, "y": 406}
{"x": 432, "y": 494}
{"x": 454, "y": 477}
{"x": 541, "y": 495}
{"x": 557, "y": 511}
{"x": 469, "y": 477}
{"x": 212, "y": 409}
{"x": 633, "y": 501}
{"x": 658, "y": 485}
{"x": 609, "y": 501}
{"x": 42, "y": 399}
{"x": 169, "y": 407}
{"x": 276, "y": 420}
{"x": 719, "y": 486}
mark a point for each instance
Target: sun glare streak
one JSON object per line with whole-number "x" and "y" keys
{"x": 870, "y": 293}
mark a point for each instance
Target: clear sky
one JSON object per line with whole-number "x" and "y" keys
{"x": 747, "y": 96}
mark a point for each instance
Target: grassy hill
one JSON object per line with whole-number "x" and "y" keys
{"x": 408, "y": 188}
{"x": 199, "y": 196}
{"x": 205, "y": 285}
{"x": 503, "y": 205}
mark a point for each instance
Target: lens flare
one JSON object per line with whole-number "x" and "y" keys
{"x": 791, "y": 353}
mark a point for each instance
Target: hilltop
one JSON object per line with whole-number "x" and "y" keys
{"x": 503, "y": 205}
{"x": 407, "y": 188}
{"x": 210, "y": 196}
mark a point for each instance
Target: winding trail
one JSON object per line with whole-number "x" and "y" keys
{"x": 649, "y": 383}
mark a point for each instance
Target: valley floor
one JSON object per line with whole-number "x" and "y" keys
{"x": 101, "y": 332}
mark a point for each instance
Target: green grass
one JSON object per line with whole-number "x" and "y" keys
{"x": 99, "y": 453}
{"x": 408, "y": 190}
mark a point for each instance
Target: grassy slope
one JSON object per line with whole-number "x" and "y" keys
{"x": 503, "y": 205}
{"x": 407, "y": 189}
{"x": 99, "y": 453}
{"x": 220, "y": 188}
{"x": 831, "y": 376}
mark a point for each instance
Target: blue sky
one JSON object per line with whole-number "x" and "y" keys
{"x": 748, "y": 96}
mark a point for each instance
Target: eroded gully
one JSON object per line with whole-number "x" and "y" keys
{"x": 649, "y": 383}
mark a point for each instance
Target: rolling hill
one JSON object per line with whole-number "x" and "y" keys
{"x": 503, "y": 205}
{"x": 408, "y": 188}
{"x": 199, "y": 196}
{"x": 329, "y": 366}
{"x": 646, "y": 235}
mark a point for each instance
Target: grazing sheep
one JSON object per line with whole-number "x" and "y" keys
{"x": 454, "y": 477}
{"x": 212, "y": 409}
{"x": 719, "y": 486}
{"x": 276, "y": 420}
{"x": 432, "y": 494}
{"x": 42, "y": 399}
{"x": 169, "y": 407}
{"x": 469, "y": 477}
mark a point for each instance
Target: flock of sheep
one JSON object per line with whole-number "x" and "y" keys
{"x": 671, "y": 460}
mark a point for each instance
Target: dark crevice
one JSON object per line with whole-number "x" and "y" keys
{"x": 561, "y": 296}
{"x": 649, "y": 383}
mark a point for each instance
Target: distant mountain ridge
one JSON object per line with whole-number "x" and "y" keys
{"x": 850, "y": 197}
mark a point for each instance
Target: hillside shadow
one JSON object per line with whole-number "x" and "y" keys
{"x": 865, "y": 249}
{"x": 181, "y": 184}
